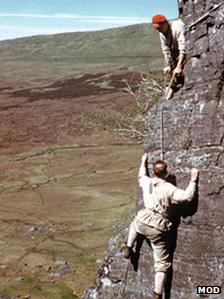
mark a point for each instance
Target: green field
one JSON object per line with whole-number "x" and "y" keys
{"x": 133, "y": 47}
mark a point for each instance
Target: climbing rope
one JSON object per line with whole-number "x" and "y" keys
{"x": 166, "y": 89}
{"x": 124, "y": 282}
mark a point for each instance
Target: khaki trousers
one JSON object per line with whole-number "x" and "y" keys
{"x": 159, "y": 243}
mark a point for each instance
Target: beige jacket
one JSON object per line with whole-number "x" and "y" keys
{"x": 158, "y": 196}
{"x": 174, "y": 43}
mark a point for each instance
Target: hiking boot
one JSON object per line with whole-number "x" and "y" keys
{"x": 156, "y": 296}
{"x": 126, "y": 251}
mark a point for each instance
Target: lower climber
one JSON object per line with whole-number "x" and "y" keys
{"x": 154, "y": 221}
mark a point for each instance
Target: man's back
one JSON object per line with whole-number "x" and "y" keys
{"x": 159, "y": 197}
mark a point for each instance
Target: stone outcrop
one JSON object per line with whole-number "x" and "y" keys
{"x": 193, "y": 136}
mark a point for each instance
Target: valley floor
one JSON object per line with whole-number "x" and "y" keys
{"x": 66, "y": 179}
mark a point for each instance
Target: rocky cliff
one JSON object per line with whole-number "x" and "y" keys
{"x": 193, "y": 136}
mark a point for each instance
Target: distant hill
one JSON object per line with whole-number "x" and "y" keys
{"x": 135, "y": 47}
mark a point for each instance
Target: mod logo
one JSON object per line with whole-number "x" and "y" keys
{"x": 208, "y": 290}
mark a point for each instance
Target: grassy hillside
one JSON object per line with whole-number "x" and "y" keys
{"x": 135, "y": 46}
{"x": 68, "y": 179}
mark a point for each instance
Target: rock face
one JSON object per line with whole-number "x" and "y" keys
{"x": 193, "y": 136}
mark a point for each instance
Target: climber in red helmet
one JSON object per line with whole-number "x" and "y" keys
{"x": 154, "y": 221}
{"x": 174, "y": 50}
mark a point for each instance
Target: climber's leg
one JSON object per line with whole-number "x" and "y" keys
{"x": 161, "y": 264}
{"x": 160, "y": 280}
{"x": 132, "y": 235}
{"x": 159, "y": 244}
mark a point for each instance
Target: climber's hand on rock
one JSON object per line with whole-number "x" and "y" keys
{"x": 194, "y": 174}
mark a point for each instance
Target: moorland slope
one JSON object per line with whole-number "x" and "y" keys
{"x": 136, "y": 47}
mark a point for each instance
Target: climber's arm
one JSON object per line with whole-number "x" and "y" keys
{"x": 143, "y": 177}
{"x": 179, "y": 195}
{"x": 180, "y": 65}
{"x": 142, "y": 170}
{"x": 180, "y": 36}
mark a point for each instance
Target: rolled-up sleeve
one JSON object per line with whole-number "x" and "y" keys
{"x": 181, "y": 38}
{"x": 166, "y": 50}
{"x": 180, "y": 195}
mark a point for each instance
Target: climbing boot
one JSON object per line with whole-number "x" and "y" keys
{"x": 156, "y": 296}
{"x": 126, "y": 251}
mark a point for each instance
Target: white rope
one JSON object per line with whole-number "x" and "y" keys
{"x": 161, "y": 130}
{"x": 124, "y": 282}
{"x": 166, "y": 90}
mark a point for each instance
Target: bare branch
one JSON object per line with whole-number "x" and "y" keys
{"x": 133, "y": 124}
{"x": 131, "y": 131}
{"x": 130, "y": 91}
